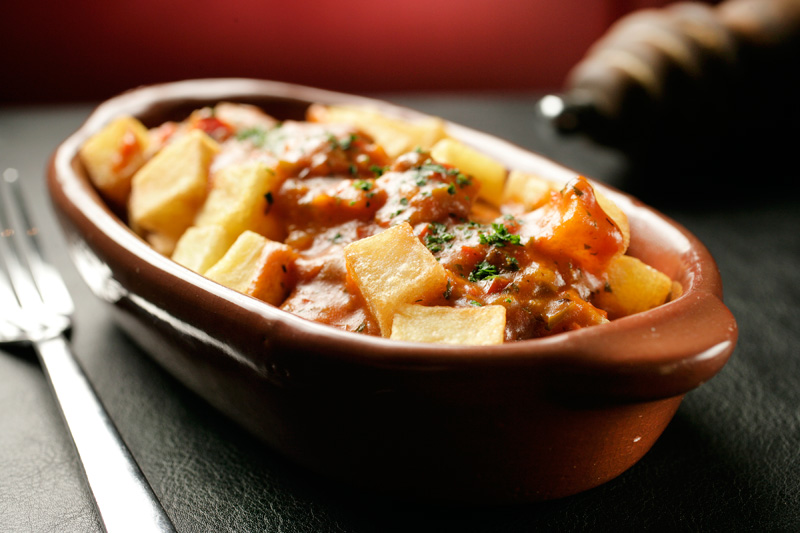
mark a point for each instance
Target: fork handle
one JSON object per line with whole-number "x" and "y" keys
{"x": 124, "y": 499}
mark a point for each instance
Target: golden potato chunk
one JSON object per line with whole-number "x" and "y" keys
{"x": 632, "y": 287}
{"x": 490, "y": 173}
{"x": 200, "y": 247}
{"x": 243, "y": 116}
{"x": 528, "y": 190}
{"x": 394, "y": 268}
{"x": 113, "y": 155}
{"x": 240, "y": 199}
{"x": 617, "y": 215}
{"x": 256, "y": 266}
{"x": 169, "y": 189}
{"x": 450, "y": 325}
{"x": 395, "y": 135}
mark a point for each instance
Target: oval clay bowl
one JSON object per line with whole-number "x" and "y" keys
{"x": 524, "y": 421}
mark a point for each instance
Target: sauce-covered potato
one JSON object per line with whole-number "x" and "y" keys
{"x": 364, "y": 222}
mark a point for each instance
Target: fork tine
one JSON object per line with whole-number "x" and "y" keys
{"x": 6, "y": 293}
{"x": 8, "y": 303}
{"x": 47, "y": 282}
{"x": 20, "y": 282}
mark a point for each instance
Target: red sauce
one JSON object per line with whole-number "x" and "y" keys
{"x": 339, "y": 186}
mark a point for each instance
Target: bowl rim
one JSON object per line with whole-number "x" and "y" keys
{"x": 669, "y": 349}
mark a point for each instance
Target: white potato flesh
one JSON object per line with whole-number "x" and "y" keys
{"x": 478, "y": 326}
{"x": 394, "y": 268}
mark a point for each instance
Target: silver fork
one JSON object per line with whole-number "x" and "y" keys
{"x": 35, "y": 308}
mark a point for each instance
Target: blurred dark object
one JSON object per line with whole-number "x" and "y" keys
{"x": 693, "y": 86}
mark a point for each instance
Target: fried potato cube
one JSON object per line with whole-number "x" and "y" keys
{"x": 240, "y": 199}
{"x": 256, "y": 266}
{"x": 617, "y": 215}
{"x": 632, "y": 287}
{"x": 200, "y": 247}
{"x": 394, "y": 268}
{"x": 528, "y": 190}
{"x": 243, "y": 116}
{"x": 450, "y": 325}
{"x": 112, "y": 155}
{"x": 395, "y": 135}
{"x": 489, "y": 172}
{"x": 169, "y": 189}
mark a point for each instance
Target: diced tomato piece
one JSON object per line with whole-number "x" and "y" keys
{"x": 575, "y": 228}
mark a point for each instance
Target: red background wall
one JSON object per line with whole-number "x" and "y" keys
{"x": 86, "y": 50}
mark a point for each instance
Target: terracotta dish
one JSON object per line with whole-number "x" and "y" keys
{"x": 523, "y": 421}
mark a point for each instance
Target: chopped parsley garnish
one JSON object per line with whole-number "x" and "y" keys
{"x": 438, "y": 237}
{"x": 348, "y": 143}
{"x": 269, "y": 139}
{"x": 429, "y": 168}
{"x": 500, "y": 236}
{"x": 378, "y": 171}
{"x": 270, "y": 200}
{"x": 512, "y": 264}
{"x": 344, "y": 144}
{"x": 362, "y": 185}
{"x": 483, "y": 270}
{"x": 462, "y": 180}
{"x": 257, "y": 136}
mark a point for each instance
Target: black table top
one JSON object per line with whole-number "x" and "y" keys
{"x": 729, "y": 460}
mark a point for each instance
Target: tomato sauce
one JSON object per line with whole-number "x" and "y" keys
{"x": 338, "y": 186}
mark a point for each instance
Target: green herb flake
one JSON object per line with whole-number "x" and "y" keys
{"x": 378, "y": 170}
{"x": 257, "y": 136}
{"x": 348, "y": 143}
{"x": 344, "y": 144}
{"x": 362, "y": 185}
{"x": 500, "y": 236}
{"x": 270, "y": 200}
{"x": 437, "y": 237}
{"x": 483, "y": 271}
